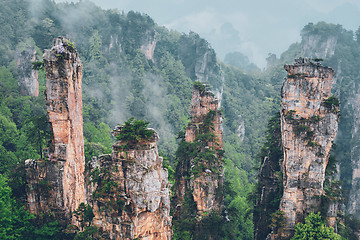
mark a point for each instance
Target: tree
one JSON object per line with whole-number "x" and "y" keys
{"x": 135, "y": 131}
{"x": 314, "y": 229}
{"x": 14, "y": 220}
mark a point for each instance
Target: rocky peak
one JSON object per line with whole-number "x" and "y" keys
{"x": 309, "y": 122}
{"x": 129, "y": 191}
{"x": 200, "y": 61}
{"x": 204, "y": 102}
{"x": 63, "y": 168}
{"x": 199, "y": 174}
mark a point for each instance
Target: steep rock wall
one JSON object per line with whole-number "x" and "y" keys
{"x": 63, "y": 169}
{"x": 269, "y": 187}
{"x": 316, "y": 46}
{"x": 308, "y": 126}
{"x": 199, "y": 60}
{"x": 27, "y": 77}
{"x": 329, "y": 45}
{"x": 196, "y": 175}
{"x": 354, "y": 196}
{"x": 129, "y": 192}
{"x": 149, "y": 44}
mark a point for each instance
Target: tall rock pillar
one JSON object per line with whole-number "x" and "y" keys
{"x": 309, "y": 121}
{"x": 199, "y": 174}
{"x": 62, "y": 170}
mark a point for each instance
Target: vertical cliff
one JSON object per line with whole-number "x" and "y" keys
{"x": 199, "y": 174}
{"x": 27, "y": 77}
{"x": 199, "y": 60}
{"x": 309, "y": 121}
{"x": 61, "y": 174}
{"x": 340, "y": 50}
{"x": 354, "y": 201}
{"x": 269, "y": 188}
{"x": 129, "y": 191}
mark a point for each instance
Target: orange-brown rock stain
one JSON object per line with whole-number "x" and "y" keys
{"x": 65, "y": 165}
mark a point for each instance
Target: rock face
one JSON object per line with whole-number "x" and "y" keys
{"x": 316, "y": 46}
{"x": 129, "y": 192}
{"x": 148, "y": 47}
{"x": 200, "y": 61}
{"x": 309, "y": 121}
{"x": 27, "y": 77}
{"x": 354, "y": 202}
{"x": 63, "y": 172}
{"x": 270, "y": 188}
{"x": 199, "y": 173}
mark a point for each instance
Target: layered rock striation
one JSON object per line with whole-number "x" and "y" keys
{"x": 309, "y": 122}
{"x": 129, "y": 192}
{"x": 61, "y": 173}
{"x": 199, "y": 174}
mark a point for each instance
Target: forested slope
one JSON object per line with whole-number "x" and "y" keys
{"x": 135, "y": 68}
{"x": 132, "y": 68}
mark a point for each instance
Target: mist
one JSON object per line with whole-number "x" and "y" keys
{"x": 254, "y": 28}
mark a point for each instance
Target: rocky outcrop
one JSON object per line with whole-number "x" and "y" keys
{"x": 317, "y": 47}
{"x": 148, "y": 47}
{"x": 200, "y": 62}
{"x": 129, "y": 192}
{"x": 199, "y": 174}
{"x": 27, "y": 76}
{"x": 309, "y": 121}
{"x": 61, "y": 173}
{"x": 328, "y": 41}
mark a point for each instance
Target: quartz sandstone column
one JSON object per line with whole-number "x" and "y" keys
{"x": 129, "y": 192}
{"x": 56, "y": 184}
{"x": 202, "y": 177}
{"x": 308, "y": 126}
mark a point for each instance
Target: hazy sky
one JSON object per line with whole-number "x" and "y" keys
{"x": 253, "y": 27}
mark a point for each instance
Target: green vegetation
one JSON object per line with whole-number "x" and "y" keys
{"x": 135, "y": 131}
{"x": 203, "y": 88}
{"x": 194, "y": 160}
{"x": 84, "y": 215}
{"x": 302, "y": 128}
{"x": 318, "y": 59}
{"x": 17, "y": 223}
{"x": 314, "y": 228}
{"x": 332, "y": 103}
{"x": 278, "y": 219}
{"x": 267, "y": 193}
{"x": 120, "y": 81}
{"x": 39, "y": 65}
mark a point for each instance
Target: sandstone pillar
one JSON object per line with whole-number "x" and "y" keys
{"x": 62, "y": 170}
{"x": 129, "y": 192}
{"x": 199, "y": 173}
{"x": 309, "y": 121}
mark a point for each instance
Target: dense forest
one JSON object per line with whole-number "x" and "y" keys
{"x": 135, "y": 68}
